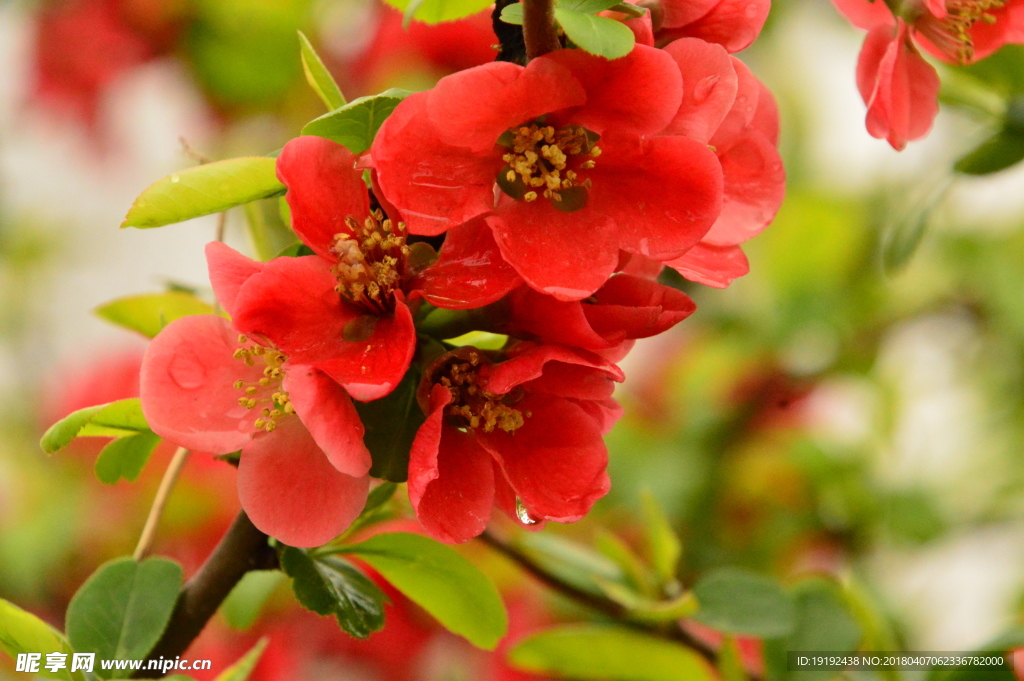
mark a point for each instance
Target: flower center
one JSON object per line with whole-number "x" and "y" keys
{"x": 952, "y": 33}
{"x": 543, "y": 161}
{"x": 371, "y": 261}
{"x": 267, "y": 390}
{"x": 474, "y": 407}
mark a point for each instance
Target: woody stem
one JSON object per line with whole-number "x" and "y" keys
{"x": 539, "y": 31}
{"x": 157, "y": 509}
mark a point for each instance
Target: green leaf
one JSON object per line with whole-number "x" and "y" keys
{"x": 618, "y": 551}
{"x": 243, "y": 605}
{"x": 602, "y": 36}
{"x": 662, "y": 541}
{"x": 587, "y": 6}
{"x": 607, "y": 653}
{"x": 356, "y": 123}
{"x": 380, "y": 495}
{"x": 23, "y": 632}
{"x": 149, "y": 313}
{"x": 730, "y": 664}
{"x": 441, "y": 581}
{"x": 329, "y": 585}
{"x": 267, "y": 231}
{"x": 115, "y": 419}
{"x": 317, "y": 75}
{"x": 241, "y": 670}
{"x": 571, "y": 562}
{"x": 391, "y": 424}
{"x": 999, "y": 152}
{"x": 513, "y": 14}
{"x": 125, "y": 457}
{"x": 736, "y": 601}
{"x": 122, "y": 609}
{"x": 436, "y": 11}
{"x": 204, "y": 190}
{"x": 643, "y": 609}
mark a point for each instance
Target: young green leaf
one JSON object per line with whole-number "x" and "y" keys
{"x": 329, "y": 585}
{"x": 513, "y": 14}
{"x": 571, "y": 562}
{"x": 587, "y": 6}
{"x": 640, "y": 608}
{"x": 730, "y": 664}
{"x": 23, "y": 632}
{"x": 441, "y": 581}
{"x": 122, "y": 609}
{"x": 204, "y": 190}
{"x": 639, "y": 575}
{"x": 149, "y": 313}
{"x": 267, "y": 231}
{"x": 356, "y": 123}
{"x": 243, "y": 605}
{"x": 602, "y": 36}
{"x": 391, "y": 424}
{"x": 607, "y": 653}
{"x": 436, "y": 11}
{"x": 317, "y": 75}
{"x": 662, "y": 541}
{"x": 241, "y": 670}
{"x": 125, "y": 457}
{"x": 116, "y": 419}
{"x": 736, "y": 601}
{"x": 999, "y": 152}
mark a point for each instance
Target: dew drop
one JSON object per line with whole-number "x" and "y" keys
{"x": 750, "y": 11}
{"x": 187, "y": 371}
{"x": 703, "y": 89}
{"x": 523, "y": 514}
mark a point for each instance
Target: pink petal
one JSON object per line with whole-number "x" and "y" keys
{"x": 865, "y": 13}
{"x": 291, "y": 491}
{"x": 709, "y": 88}
{"x": 677, "y": 13}
{"x": 755, "y": 185}
{"x": 229, "y": 270}
{"x": 734, "y": 24}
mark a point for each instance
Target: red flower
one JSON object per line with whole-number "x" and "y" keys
{"x": 302, "y": 472}
{"x": 558, "y": 157}
{"x": 346, "y": 310}
{"x": 624, "y": 309}
{"x": 733, "y": 24}
{"x": 524, "y": 434}
{"x": 898, "y": 85}
{"x": 727, "y": 107}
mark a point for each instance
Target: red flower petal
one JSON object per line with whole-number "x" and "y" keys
{"x": 580, "y": 382}
{"x": 709, "y": 88}
{"x": 469, "y": 272}
{"x": 549, "y": 249}
{"x": 556, "y": 461}
{"x": 629, "y": 307}
{"x": 324, "y": 188}
{"x": 643, "y": 30}
{"x": 663, "y": 195}
{"x": 635, "y": 95}
{"x": 734, "y": 24}
{"x": 744, "y": 108}
{"x": 187, "y": 385}
{"x": 229, "y": 270}
{"x": 505, "y": 499}
{"x": 766, "y": 117}
{"x": 677, "y": 13}
{"x": 711, "y": 265}
{"x": 866, "y": 14}
{"x": 473, "y": 108}
{"x": 290, "y": 490}
{"x": 604, "y": 412}
{"x": 528, "y": 361}
{"x": 327, "y": 412}
{"x": 436, "y": 186}
{"x": 534, "y": 316}
{"x": 755, "y": 185}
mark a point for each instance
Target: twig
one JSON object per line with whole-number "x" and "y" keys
{"x": 157, "y": 510}
{"x": 539, "y": 32}
{"x": 600, "y": 604}
{"x": 241, "y": 549}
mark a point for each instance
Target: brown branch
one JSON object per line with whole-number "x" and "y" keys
{"x": 673, "y": 631}
{"x": 159, "y": 502}
{"x": 539, "y": 32}
{"x": 241, "y": 549}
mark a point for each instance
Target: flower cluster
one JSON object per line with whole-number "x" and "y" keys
{"x": 537, "y": 202}
{"x": 899, "y": 87}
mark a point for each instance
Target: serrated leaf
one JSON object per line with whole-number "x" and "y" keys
{"x": 241, "y": 670}
{"x": 441, "y": 581}
{"x": 513, "y": 14}
{"x": 662, "y": 541}
{"x": 436, "y": 11}
{"x": 204, "y": 190}
{"x": 391, "y": 424}
{"x": 607, "y": 653}
{"x": 356, "y": 123}
{"x": 602, "y": 36}
{"x": 115, "y": 419}
{"x": 149, "y": 313}
{"x": 317, "y": 75}
{"x": 999, "y": 152}
{"x": 736, "y": 601}
{"x": 587, "y": 6}
{"x": 243, "y": 605}
{"x": 125, "y": 457}
{"x": 329, "y": 585}
{"x": 122, "y": 609}
{"x": 23, "y": 632}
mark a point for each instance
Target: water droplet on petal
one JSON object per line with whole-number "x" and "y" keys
{"x": 750, "y": 11}
{"x": 703, "y": 89}
{"x": 523, "y": 514}
{"x": 187, "y": 371}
